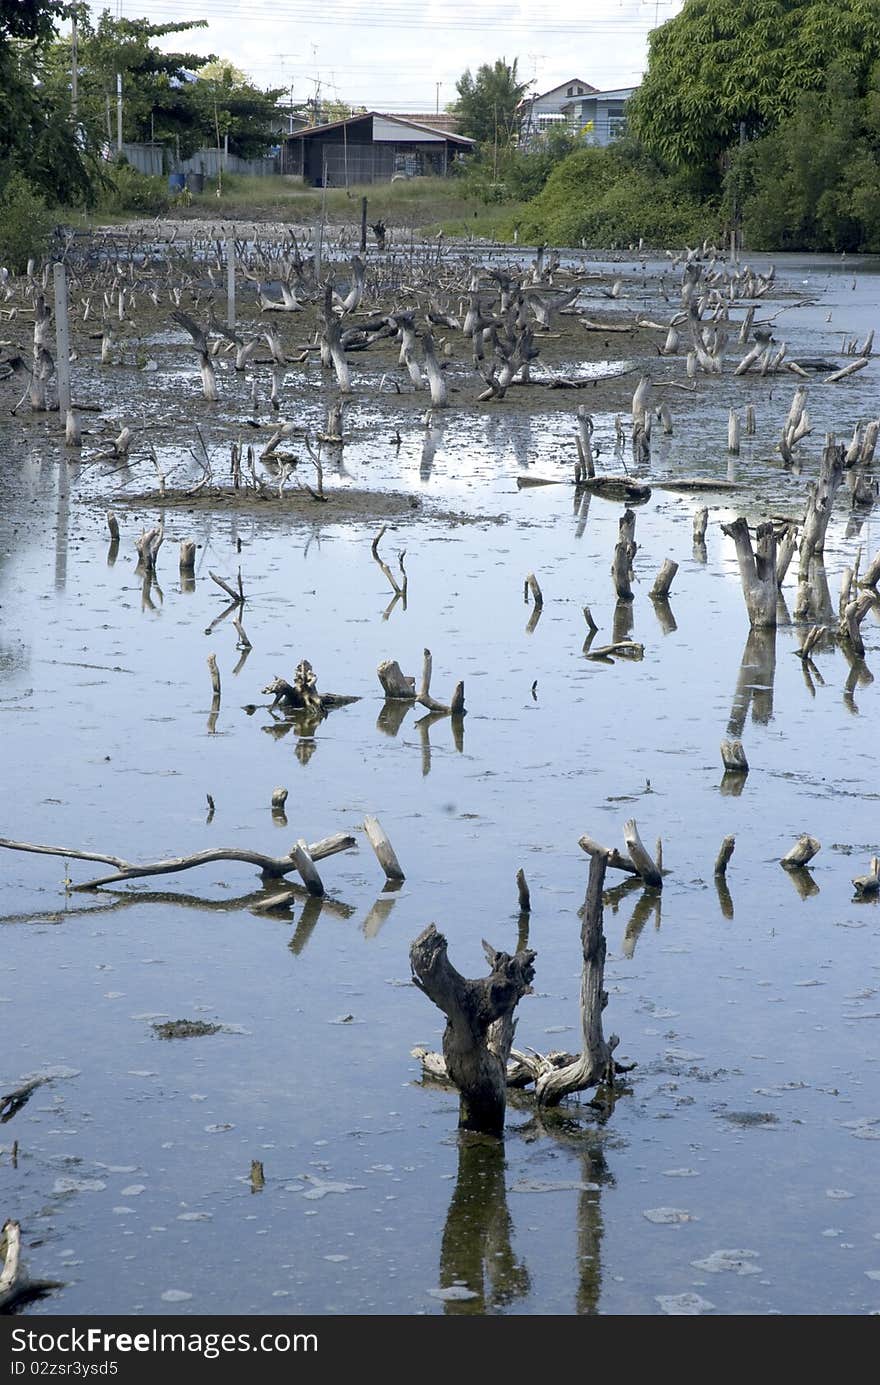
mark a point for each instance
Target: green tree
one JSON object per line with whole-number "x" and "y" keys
{"x": 813, "y": 183}
{"x": 156, "y": 97}
{"x": 37, "y": 135}
{"x": 234, "y": 112}
{"x": 487, "y": 104}
{"x": 722, "y": 64}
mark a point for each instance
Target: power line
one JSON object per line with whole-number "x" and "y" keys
{"x": 339, "y": 12}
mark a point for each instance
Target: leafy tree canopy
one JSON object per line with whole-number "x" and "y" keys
{"x": 722, "y": 63}
{"x": 486, "y": 105}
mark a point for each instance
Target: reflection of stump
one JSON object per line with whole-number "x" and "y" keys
{"x": 479, "y": 1023}
{"x": 476, "y": 1247}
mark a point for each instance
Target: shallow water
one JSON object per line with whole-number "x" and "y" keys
{"x": 751, "y": 1015}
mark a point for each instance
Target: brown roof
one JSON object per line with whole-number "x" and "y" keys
{"x": 445, "y": 120}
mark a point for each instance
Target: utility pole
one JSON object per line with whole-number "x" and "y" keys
{"x": 119, "y": 112}
{"x": 74, "y": 69}
{"x": 437, "y": 105}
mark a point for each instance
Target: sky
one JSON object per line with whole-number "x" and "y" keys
{"x": 400, "y": 56}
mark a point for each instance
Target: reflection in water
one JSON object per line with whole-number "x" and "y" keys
{"x": 648, "y": 903}
{"x": 62, "y": 522}
{"x": 725, "y": 901}
{"x": 423, "y": 726}
{"x": 754, "y": 684}
{"x": 476, "y": 1247}
{"x": 623, "y": 623}
{"x": 663, "y": 612}
{"x": 859, "y": 676}
{"x": 433, "y": 437}
{"x": 585, "y": 1141}
{"x": 732, "y": 783}
{"x": 378, "y": 914}
{"x": 581, "y": 510}
{"x": 532, "y": 623}
{"x": 112, "y": 552}
{"x": 813, "y": 596}
{"x": 802, "y": 880}
{"x": 305, "y": 749}
{"x": 392, "y": 713}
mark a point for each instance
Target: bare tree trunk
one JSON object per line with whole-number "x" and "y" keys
{"x": 595, "y": 1062}
{"x": 475, "y": 1064}
{"x": 757, "y": 569}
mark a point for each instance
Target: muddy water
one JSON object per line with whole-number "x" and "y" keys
{"x": 735, "y": 1174}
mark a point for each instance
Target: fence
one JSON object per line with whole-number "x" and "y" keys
{"x": 157, "y": 159}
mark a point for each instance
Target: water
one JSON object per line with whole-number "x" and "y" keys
{"x": 747, "y": 1122}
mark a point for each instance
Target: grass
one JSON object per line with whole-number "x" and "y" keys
{"x": 423, "y": 205}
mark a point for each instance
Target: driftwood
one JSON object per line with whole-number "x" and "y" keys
{"x": 595, "y": 1062}
{"x": 733, "y": 757}
{"x": 456, "y": 705}
{"x": 522, "y": 890}
{"x": 724, "y": 855}
{"x": 804, "y": 849}
{"x": 479, "y": 1031}
{"x": 15, "y": 1286}
{"x": 664, "y": 579}
{"x": 853, "y": 614}
{"x": 639, "y": 862}
{"x": 12, "y": 1102}
{"x": 696, "y": 483}
{"x": 757, "y": 569}
{"x": 395, "y": 683}
{"x": 531, "y": 585}
{"x": 302, "y": 694}
{"x": 620, "y": 649}
{"x": 270, "y": 866}
{"x": 624, "y": 553}
{"x": 381, "y": 845}
{"x": 866, "y": 886}
{"x": 398, "y": 588}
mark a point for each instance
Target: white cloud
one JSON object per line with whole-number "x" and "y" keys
{"x": 401, "y": 57}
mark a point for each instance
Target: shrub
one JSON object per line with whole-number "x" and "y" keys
{"x": 611, "y": 197}
{"x": 26, "y": 224}
{"x": 128, "y": 190}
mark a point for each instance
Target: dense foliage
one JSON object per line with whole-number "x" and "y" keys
{"x": 813, "y": 183}
{"x": 617, "y": 196}
{"x": 723, "y": 65}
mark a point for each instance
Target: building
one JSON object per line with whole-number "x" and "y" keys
{"x": 370, "y": 148}
{"x": 539, "y": 113}
{"x": 599, "y": 116}
{"x": 577, "y": 107}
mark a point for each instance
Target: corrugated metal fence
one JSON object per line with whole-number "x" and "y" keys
{"x": 156, "y": 159}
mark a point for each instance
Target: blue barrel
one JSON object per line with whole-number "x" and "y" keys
{"x": 176, "y": 182}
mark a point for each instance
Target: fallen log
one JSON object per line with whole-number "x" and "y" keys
{"x": 270, "y": 866}
{"x": 696, "y": 483}
{"x": 14, "y": 1284}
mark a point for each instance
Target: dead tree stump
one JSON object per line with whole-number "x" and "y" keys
{"x": 595, "y": 1063}
{"x": 479, "y": 1023}
{"x": 757, "y": 569}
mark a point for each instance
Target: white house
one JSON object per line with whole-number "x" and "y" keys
{"x": 576, "y": 106}
{"x": 538, "y": 113}
{"x": 599, "y": 116}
